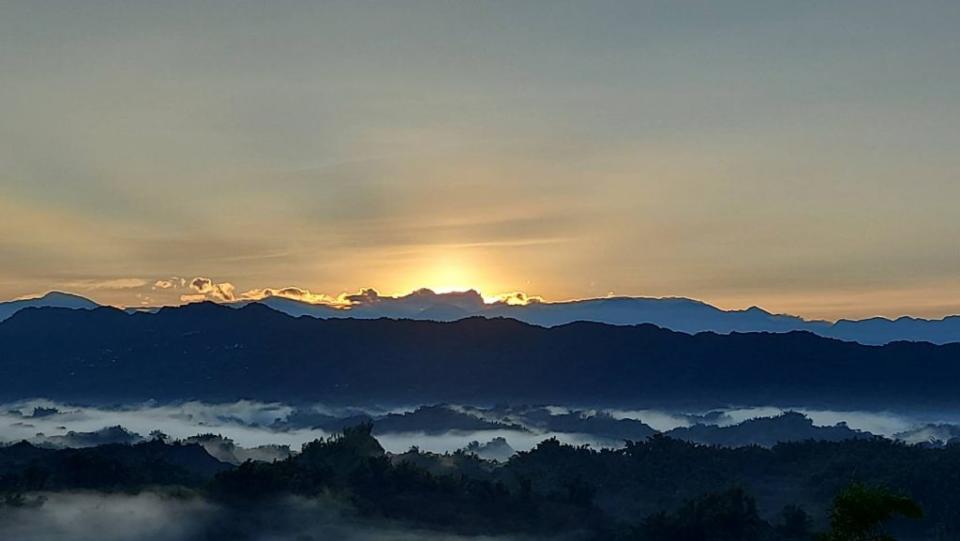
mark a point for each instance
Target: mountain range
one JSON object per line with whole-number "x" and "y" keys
{"x": 54, "y": 299}
{"x": 211, "y": 352}
{"x": 678, "y": 314}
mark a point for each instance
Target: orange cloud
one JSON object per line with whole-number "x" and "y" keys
{"x": 517, "y": 298}
{"x": 295, "y": 293}
{"x": 114, "y": 284}
{"x": 218, "y": 291}
{"x": 206, "y": 289}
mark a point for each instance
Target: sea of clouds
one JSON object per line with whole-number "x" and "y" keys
{"x": 251, "y": 424}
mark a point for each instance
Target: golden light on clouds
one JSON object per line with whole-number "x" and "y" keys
{"x": 448, "y": 273}
{"x": 455, "y": 152}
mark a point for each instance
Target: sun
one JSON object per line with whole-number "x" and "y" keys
{"x": 448, "y": 275}
{"x": 457, "y": 273}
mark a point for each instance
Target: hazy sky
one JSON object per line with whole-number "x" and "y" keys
{"x": 800, "y": 156}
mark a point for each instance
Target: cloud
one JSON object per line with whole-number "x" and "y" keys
{"x": 201, "y": 284}
{"x": 263, "y": 428}
{"x": 224, "y": 291}
{"x": 207, "y": 289}
{"x": 171, "y": 283}
{"x": 463, "y": 303}
{"x": 518, "y": 298}
{"x": 109, "y": 284}
{"x": 247, "y": 424}
{"x": 203, "y": 288}
{"x": 366, "y": 296}
{"x": 422, "y": 298}
{"x": 295, "y": 293}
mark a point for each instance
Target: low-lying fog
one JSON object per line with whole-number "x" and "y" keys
{"x": 159, "y": 517}
{"x": 248, "y": 424}
{"x": 252, "y": 424}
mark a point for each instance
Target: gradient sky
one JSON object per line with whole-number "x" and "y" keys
{"x": 800, "y": 156}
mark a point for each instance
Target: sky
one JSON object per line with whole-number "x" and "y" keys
{"x": 799, "y": 156}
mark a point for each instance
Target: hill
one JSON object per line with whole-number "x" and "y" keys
{"x": 54, "y": 299}
{"x": 678, "y": 314}
{"x": 208, "y": 351}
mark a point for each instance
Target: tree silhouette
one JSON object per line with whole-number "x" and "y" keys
{"x": 795, "y": 523}
{"x": 859, "y": 512}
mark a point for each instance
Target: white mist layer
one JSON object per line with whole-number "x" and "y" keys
{"x": 156, "y": 517}
{"x": 251, "y": 424}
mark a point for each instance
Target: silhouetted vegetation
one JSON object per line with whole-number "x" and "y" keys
{"x": 354, "y": 466}
{"x": 860, "y": 512}
{"x": 659, "y": 489}
{"x": 113, "y": 467}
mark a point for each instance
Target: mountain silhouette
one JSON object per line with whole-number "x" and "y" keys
{"x": 54, "y": 299}
{"x": 212, "y": 352}
{"x": 766, "y": 432}
{"x": 678, "y": 314}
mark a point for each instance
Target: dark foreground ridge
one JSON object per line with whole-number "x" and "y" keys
{"x": 659, "y": 489}
{"x": 211, "y": 352}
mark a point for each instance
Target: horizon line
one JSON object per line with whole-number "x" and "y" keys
{"x": 498, "y": 301}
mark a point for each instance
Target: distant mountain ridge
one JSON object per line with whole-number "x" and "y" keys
{"x": 54, "y": 299}
{"x": 766, "y": 432}
{"x": 674, "y": 313}
{"x": 211, "y": 352}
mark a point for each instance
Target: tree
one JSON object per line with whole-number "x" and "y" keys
{"x": 859, "y": 512}
{"x": 723, "y": 516}
{"x": 795, "y": 523}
